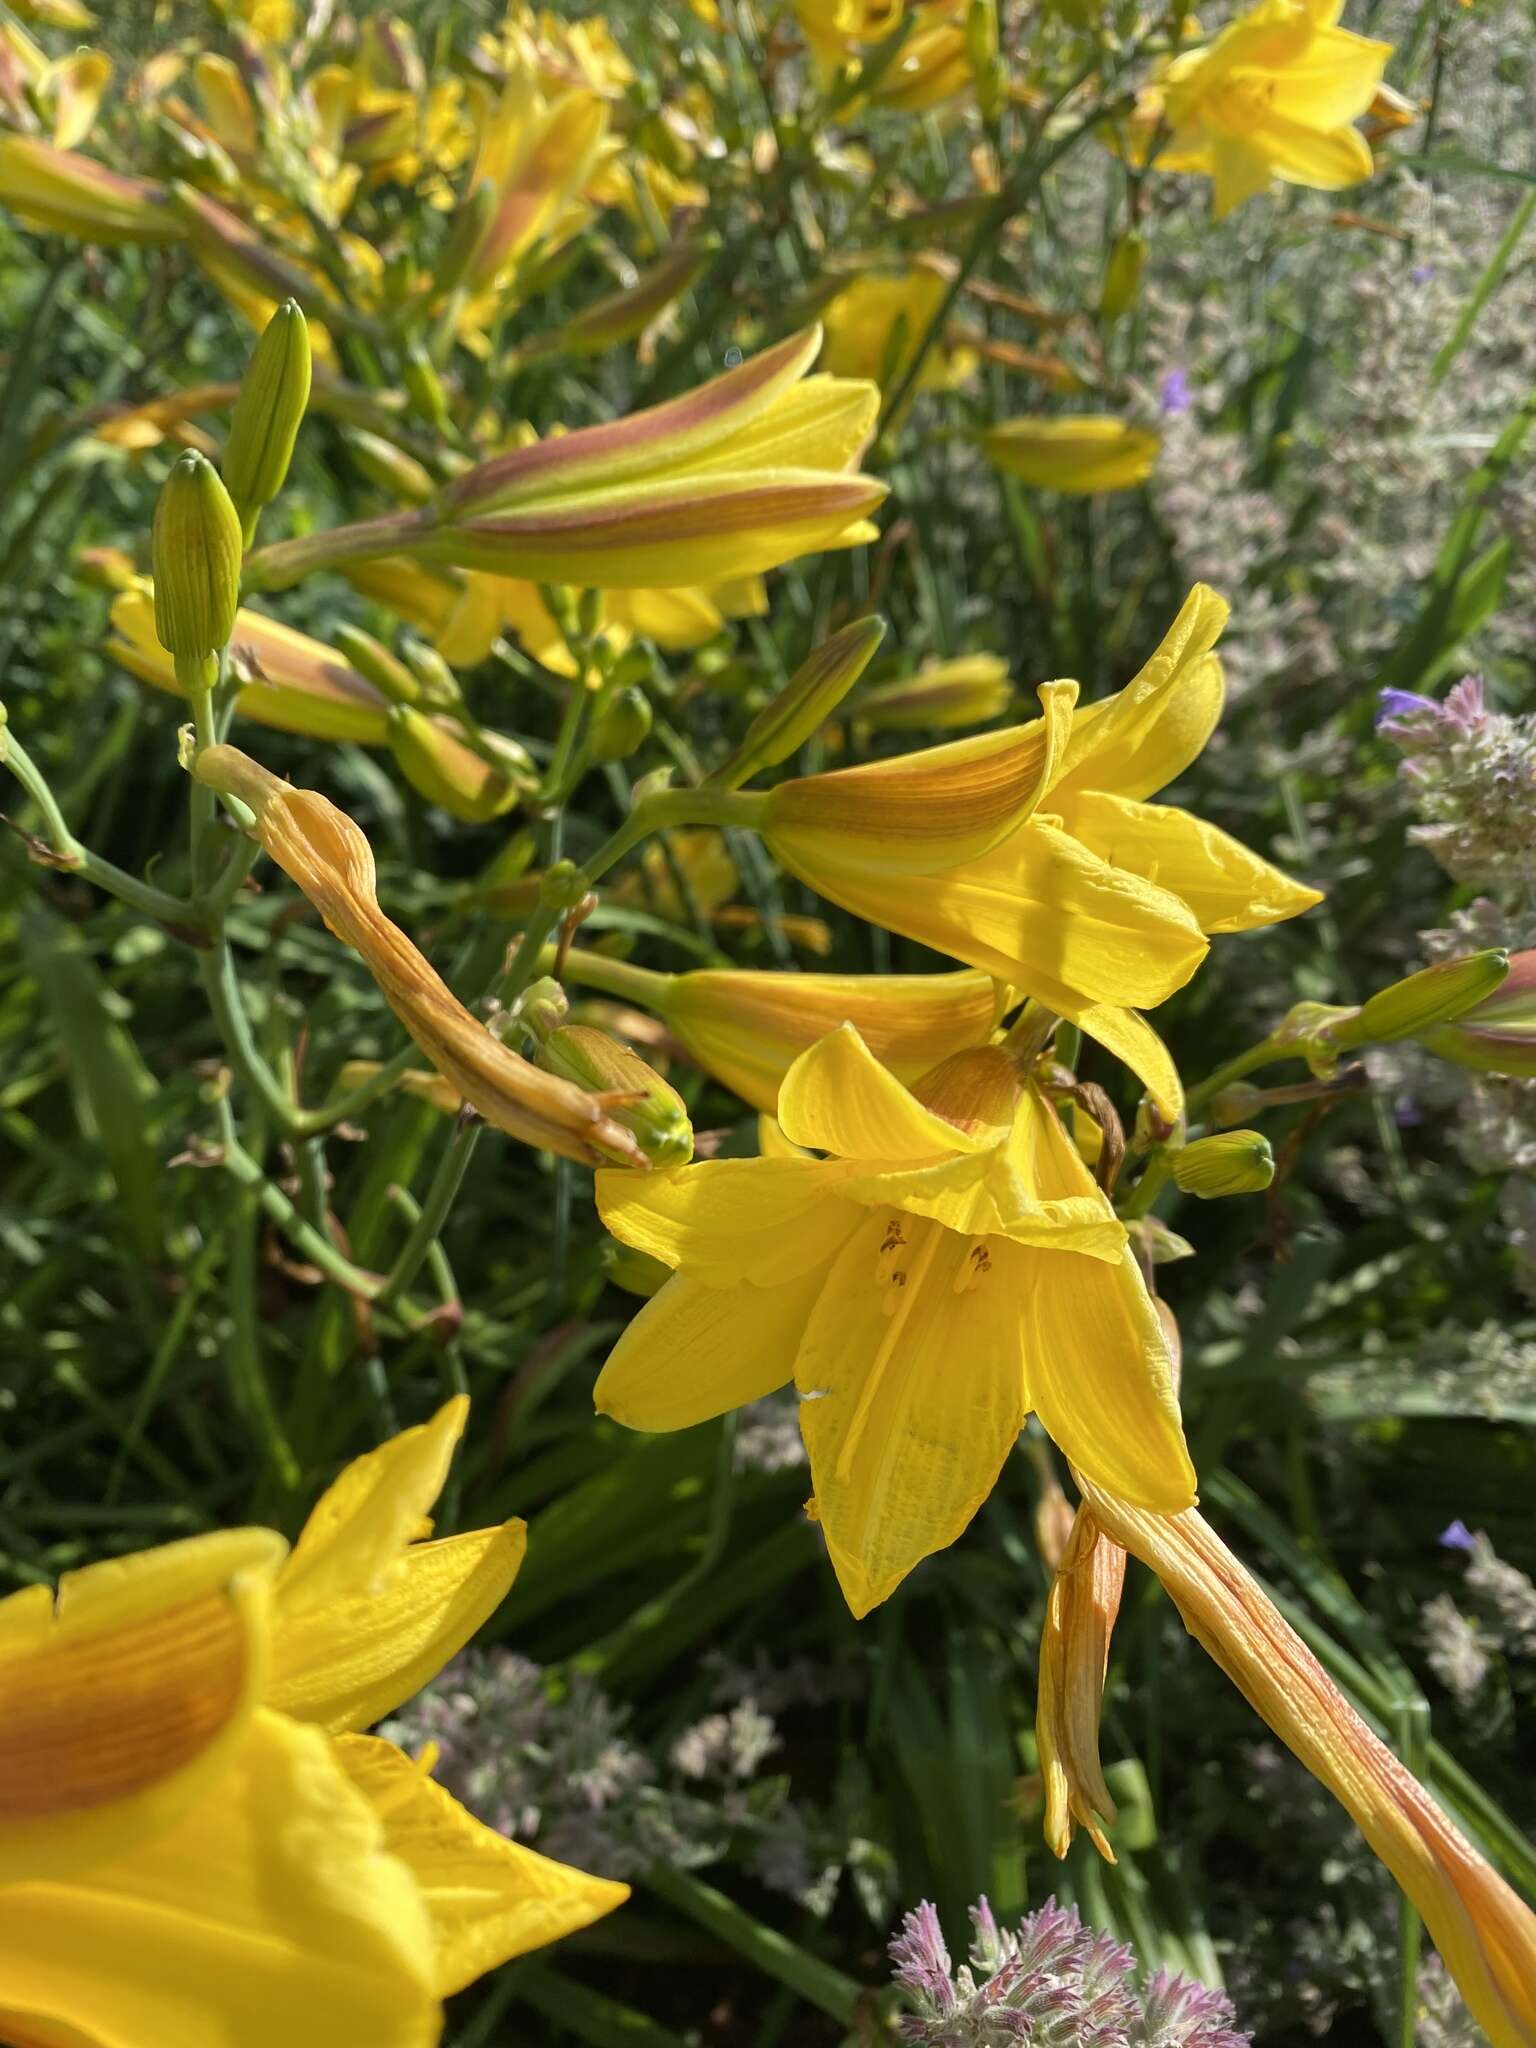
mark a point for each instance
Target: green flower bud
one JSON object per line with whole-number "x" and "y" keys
{"x": 373, "y": 661}
{"x": 439, "y": 684}
{"x": 387, "y": 467}
{"x": 805, "y": 703}
{"x": 195, "y": 548}
{"x": 1435, "y": 995}
{"x": 425, "y": 388}
{"x": 543, "y": 1007}
{"x": 1239, "y": 1099}
{"x": 563, "y": 886}
{"x": 268, "y": 412}
{"x": 636, "y": 1272}
{"x": 621, "y": 726}
{"x": 656, "y": 1114}
{"x": 1230, "y": 1163}
{"x": 437, "y": 764}
{"x": 1122, "y": 275}
{"x": 1498, "y": 1035}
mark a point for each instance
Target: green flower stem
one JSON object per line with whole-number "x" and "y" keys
{"x": 287, "y": 562}
{"x": 617, "y": 977}
{"x": 248, "y": 1379}
{"x": 1146, "y": 1191}
{"x": 667, "y": 807}
{"x": 67, "y": 854}
{"x": 588, "y": 2013}
{"x": 216, "y": 971}
{"x": 342, "y": 1108}
{"x": 446, "y": 1182}
{"x": 818, "y": 1983}
{"x": 1197, "y": 1099}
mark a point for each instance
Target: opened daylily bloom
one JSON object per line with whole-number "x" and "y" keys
{"x": 67, "y": 194}
{"x": 748, "y": 1028}
{"x": 1032, "y": 853}
{"x": 321, "y": 849}
{"x": 536, "y": 153}
{"x": 751, "y": 470}
{"x": 1082, "y": 453}
{"x": 184, "y": 1863}
{"x": 1271, "y": 97}
{"x": 948, "y": 1267}
{"x": 1485, "y": 1934}
{"x": 876, "y": 325}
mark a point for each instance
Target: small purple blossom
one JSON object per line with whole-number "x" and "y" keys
{"x": 1457, "y": 1536}
{"x": 1399, "y": 706}
{"x": 1175, "y": 393}
{"x": 1050, "y": 1982}
{"x": 1421, "y": 273}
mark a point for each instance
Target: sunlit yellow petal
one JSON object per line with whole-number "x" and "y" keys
{"x": 1326, "y": 163}
{"x": 1227, "y": 888}
{"x": 727, "y": 1220}
{"x": 912, "y": 1395}
{"x": 489, "y": 1898}
{"x": 351, "y": 1660}
{"x": 1098, "y": 1372}
{"x": 1333, "y": 82}
{"x": 838, "y": 1098}
{"x": 269, "y": 1913}
{"x": 363, "y": 1521}
{"x": 1133, "y": 1041}
{"x": 121, "y": 1699}
{"x": 1141, "y": 738}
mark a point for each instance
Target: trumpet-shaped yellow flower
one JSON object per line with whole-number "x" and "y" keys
{"x": 321, "y": 849}
{"x": 1271, "y": 97}
{"x": 747, "y": 472}
{"x": 949, "y": 1266}
{"x": 748, "y": 1028}
{"x": 536, "y": 152}
{"x": 1084, "y": 454}
{"x": 1486, "y": 1935}
{"x": 182, "y": 1860}
{"x": 1033, "y": 854}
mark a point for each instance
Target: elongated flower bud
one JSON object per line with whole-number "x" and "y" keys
{"x": 805, "y": 703}
{"x": 465, "y": 236}
{"x": 1435, "y": 995}
{"x": 1498, "y": 1035}
{"x": 268, "y": 412}
{"x": 1227, "y": 1163}
{"x": 1122, "y": 275}
{"x": 373, "y": 660}
{"x": 439, "y": 685}
{"x": 443, "y": 770}
{"x": 1085, "y": 453}
{"x": 387, "y": 467}
{"x": 195, "y": 548}
{"x": 621, "y": 726}
{"x": 657, "y": 1116}
{"x": 425, "y": 386}
{"x": 965, "y": 691}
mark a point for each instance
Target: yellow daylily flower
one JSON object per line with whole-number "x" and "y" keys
{"x": 876, "y": 324}
{"x": 1031, "y": 852}
{"x": 321, "y": 849}
{"x": 748, "y": 1027}
{"x": 747, "y": 472}
{"x": 952, "y": 1221}
{"x": 65, "y": 193}
{"x": 182, "y": 1861}
{"x": 536, "y": 152}
{"x": 1083, "y": 453}
{"x": 1272, "y": 97}
{"x": 1485, "y": 1933}
{"x": 74, "y": 87}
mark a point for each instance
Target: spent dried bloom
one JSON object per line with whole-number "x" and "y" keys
{"x": 1051, "y": 1982}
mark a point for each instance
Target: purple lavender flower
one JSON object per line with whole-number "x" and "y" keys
{"x": 1401, "y": 706}
{"x": 1051, "y": 1982}
{"x": 1175, "y": 393}
{"x": 1457, "y": 1536}
{"x": 1421, "y": 273}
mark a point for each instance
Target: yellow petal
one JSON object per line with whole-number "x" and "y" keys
{"x": 489, "y": 1898}
{"x": 838, "y": 1098}
{"x": 1241, "y": 168}
{"x": 912, "y": 1395}
{"x": 1132, "y": 1040}
{"x": 1484, "y": 1932}
{"x": 363, "y": 1521}
{"x": 76, "y": 85}
{"x": 349, "y": 1662}
{"x": 696, "y": 1351}
{"x": 123, "y": 1698}
{"x": 1098, "y": 1372}
{"x": 1146, "y": 734}
{"x": 1333, "y": 81}
{"x": 1326, "y": 163}
{"x": 729, "y": 1220}
{"x": 1084, "y": 454}
{"x": 269, "y": 1913}
{"x": 1227, "y": 888}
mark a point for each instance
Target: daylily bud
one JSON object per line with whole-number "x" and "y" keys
{"x": 543, "y": 1007}
{"x": 1083, "y": 453}
{"x": 268, "y": 413}
{"x": 965, "y": 691}
{"x": 439, "y": 684}
{"x": 623, "y": 314}
{"x": 1435, "y": 995}
{"x": 425, "y": 386}
{"x": 636, "y": 1272}
{"x": 805, "y": 703}
{"x": 446, "y": 772}
{"x": 195, "y": 548}
{"x": 465, "y": 236}
{"x": 1235, "y": 1103}
{"x": 657, "y": 1116}
{"x": 371, "y": 658}
{"x": 621, "y": 726}
{"x": 388, "y": 467}
{"x": 1498, "y": 1036}
{"x": 1122, "y": 275}
{"x": 1229, "y": 1163}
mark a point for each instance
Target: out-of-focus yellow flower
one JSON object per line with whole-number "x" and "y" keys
{"x": 65, "y": 14}
{"x": 321, "y": 849}
{"x": 952, "y": 1220}
{"x": 157, "y": 1773}
{"x": 836, "y": 30}
{"x": 74, "y": 87}
{"x": 1084, "y": 453}
{"x": 748, "y": 1028}
{"x": 536, "y": 152}
{"x": 65, "y": 193}
{"x": 1032, "y": 853}
{"x": 876, "y": 325}
{"x": 749, "y": 471}
{"x": 933, "y": 64}
{"x": 1485, "y": 1934}
{"x": 967, "y": 690}
{"x": 1271, "y": 97}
